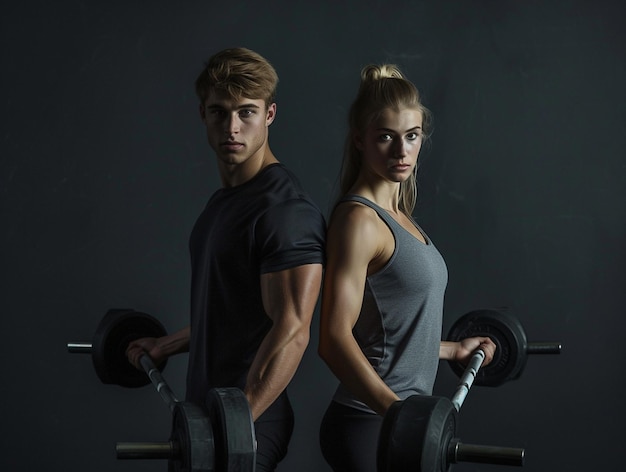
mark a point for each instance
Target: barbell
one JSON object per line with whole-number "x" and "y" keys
{"x": 512, "y": 346}
{"x": 108, "y": 346}
{"x": 222, "y": 441}
{"x": 218, "y": 436}
{"x": 418, "y": 434}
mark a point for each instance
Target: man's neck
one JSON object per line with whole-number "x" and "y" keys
{"x": 233, "y": 175}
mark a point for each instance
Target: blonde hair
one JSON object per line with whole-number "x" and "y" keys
{"x": 382, "y": 86}
{"x": 237, "y": 73}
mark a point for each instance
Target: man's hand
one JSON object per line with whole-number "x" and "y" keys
{"x": 158, "y": 349}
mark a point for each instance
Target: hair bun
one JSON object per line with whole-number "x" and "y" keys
{"x": 373, "y": 72}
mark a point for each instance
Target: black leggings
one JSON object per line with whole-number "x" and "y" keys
{"x": 273, "y": 432}
{"x": 349, "y": 438}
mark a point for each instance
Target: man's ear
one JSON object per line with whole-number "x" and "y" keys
{"x": 271, "y": 114}
{"x": 202, "y": 111}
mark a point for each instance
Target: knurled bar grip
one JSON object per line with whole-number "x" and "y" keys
{"x": 158, "y": 381}
{"x": 467, "y": 379}
{"x": 459, "y": 452}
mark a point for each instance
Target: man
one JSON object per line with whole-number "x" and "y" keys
{"x": 257, "y": 254}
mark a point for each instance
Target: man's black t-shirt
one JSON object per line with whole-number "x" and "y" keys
{"x": 267, "y": 224}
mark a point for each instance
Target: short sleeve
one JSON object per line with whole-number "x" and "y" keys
{"x": 289, "y": 235}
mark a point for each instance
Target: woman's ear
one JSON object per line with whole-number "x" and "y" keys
{"x": 357, "y": 140}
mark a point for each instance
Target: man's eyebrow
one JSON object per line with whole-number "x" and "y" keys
{"x": 217, "y": 106}
{"x": 248, "y": 105}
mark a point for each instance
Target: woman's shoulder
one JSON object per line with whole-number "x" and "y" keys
{"x": 352, "y": 219}
{"x": 357, "y": 234}
{"x": 354, "y": 212}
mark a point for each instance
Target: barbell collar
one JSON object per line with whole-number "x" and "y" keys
{"x": 158, "y": 381}
{"x": 459, "y": 452}
{"x": 79, "y": 347}
{"x": 467, "y": 379}
{"x": 146, "y": 450}
{"x": 543, "y": 348}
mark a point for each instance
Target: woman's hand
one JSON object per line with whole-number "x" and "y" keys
{"x": 466, "y": 347}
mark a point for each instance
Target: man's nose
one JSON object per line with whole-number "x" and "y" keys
{"x": 232, "y": 124}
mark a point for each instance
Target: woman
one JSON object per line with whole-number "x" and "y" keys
{"x": 382, "y": 302}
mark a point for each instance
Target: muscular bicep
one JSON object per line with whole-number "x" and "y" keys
{"x": 289, "y": 296}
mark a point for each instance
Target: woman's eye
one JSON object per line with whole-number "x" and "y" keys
{"x": 412, "y": 136}
{"x": 385, "y": 137}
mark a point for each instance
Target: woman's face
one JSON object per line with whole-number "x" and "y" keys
{"x": 390, "y": 145}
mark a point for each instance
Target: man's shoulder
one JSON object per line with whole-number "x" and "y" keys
{"x": 283, "y": 184}
{"x": 285, "y": 203}
{"x": 280, "y": 172}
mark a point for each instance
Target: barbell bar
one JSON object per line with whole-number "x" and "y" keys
{"x": 512, "y": 346}
{"x": 467, "y": 378}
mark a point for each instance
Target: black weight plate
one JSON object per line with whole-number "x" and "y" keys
{"x": 415, "y": 435}
{"x": 192, "y": 438}
{"x": 235, "y": 441}
{"x": 508, "y": 335}
{"x": 116, "y": 330}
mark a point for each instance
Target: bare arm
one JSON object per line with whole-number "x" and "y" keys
{"x": 462, "y": 351}
{"x": 158, "y": 349}
{"x": 289, "y": 298}
{"x": 353, "y": 243}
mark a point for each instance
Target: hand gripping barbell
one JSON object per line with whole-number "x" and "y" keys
{"x": 419, "y": 434}
{"x": 512, "y": 347}
{"x": 219, "y": 437}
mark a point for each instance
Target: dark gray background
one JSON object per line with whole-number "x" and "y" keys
{"x": 104, "y": 167}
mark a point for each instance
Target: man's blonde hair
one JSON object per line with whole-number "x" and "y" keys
{"x": 237, "y": 73}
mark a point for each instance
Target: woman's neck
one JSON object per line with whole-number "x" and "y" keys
{"x": 384, "y": 194}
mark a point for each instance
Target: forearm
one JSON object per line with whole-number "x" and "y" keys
{"x": 346, "y": 360}
{"x": 289, "y": 298}
{"x": 462, "y": 351}
{"x": 159, "y": 349}
{"x": 274, "y": 366}
{"x": 447, "y": 350}
{"x": 175, "y": 343}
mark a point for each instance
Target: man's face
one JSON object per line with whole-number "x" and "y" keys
{"x": 237, "y": 130}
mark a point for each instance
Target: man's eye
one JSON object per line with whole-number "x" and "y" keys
{"x": 246, "y": 113}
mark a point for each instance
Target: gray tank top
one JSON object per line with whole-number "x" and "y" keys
{"x": 399, "y": 327}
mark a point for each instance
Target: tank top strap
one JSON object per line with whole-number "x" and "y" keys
{"x": 382, "y": 213}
